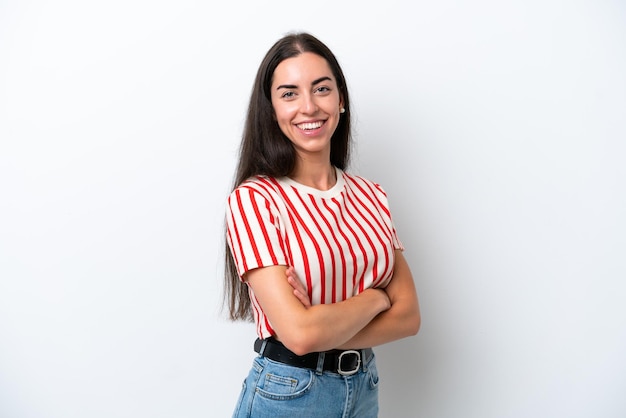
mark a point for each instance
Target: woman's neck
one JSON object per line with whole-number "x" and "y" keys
{"x": 319, "y": 176}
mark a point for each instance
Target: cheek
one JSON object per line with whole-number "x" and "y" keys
{"x": 283, "y": 114}
{"x": 281, "y": 119}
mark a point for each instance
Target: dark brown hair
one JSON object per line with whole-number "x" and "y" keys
{"x": 266, "y": 151}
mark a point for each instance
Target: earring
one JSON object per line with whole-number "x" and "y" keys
{"x": 342, "y": 110}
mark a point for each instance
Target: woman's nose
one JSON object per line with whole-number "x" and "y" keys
{"x": 308, "y": 105}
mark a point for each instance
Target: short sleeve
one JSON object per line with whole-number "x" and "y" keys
{"x": 386, "y": 214}
{"x": 254, "y": 230}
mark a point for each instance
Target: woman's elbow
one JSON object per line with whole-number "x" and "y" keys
{"x": 299, "y": 348}
{"x": 413, "y": 323}
{"x": 300, "y": 343}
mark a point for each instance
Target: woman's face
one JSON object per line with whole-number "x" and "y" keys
{"x": 306, "y": 103}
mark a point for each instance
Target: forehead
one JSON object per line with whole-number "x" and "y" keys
{"x": 302, "y": 68}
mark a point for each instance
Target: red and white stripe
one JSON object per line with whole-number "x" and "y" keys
{"x": 340, "y": 241}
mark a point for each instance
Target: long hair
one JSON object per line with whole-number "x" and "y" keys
{"x": 266, "y": 151}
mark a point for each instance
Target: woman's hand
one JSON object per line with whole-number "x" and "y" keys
{"x": 304, "y": 327}
{"x": 300, "y": 292}
{"x": 298, "y": 288}
{"x": 403, "y": 319}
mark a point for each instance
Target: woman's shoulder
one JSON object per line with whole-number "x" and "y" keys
{"x": 264, "y": 185}
{"x": 360, "y": 182}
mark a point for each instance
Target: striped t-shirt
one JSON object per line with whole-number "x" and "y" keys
{"x": 340, "y": 241}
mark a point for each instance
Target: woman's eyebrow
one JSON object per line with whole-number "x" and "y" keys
{"x": 319, "y": 80}
{"x": 287, "y": 86}
{"x": 293, "y": 86}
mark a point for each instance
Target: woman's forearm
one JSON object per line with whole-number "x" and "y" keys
{"x": 402, "y": 320}
{"x": 394, "y": 324}
{"x": 322, "y": 327}
{"x": 328, "y": 326}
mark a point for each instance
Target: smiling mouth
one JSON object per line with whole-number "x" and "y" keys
{"x": 309, "y": 126}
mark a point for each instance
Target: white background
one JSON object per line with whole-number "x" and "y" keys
{"x": 497, "y": 129}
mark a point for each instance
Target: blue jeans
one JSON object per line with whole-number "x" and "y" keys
{"x": 276, "y": 390}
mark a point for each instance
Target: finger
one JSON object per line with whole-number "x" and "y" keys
{"x": 296, "y": 284}
{"x": 304, "y": 299}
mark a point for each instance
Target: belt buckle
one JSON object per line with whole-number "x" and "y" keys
{"x": 358, "y": 363}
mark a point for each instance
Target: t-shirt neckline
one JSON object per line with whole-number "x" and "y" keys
{"x": 332, "y": 192}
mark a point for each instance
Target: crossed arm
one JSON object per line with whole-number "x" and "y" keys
{"x": 374, "y": 317}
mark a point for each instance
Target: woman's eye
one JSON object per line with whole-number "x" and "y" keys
{"x": 323, "y": 89}
{"x": 288, "y": 95}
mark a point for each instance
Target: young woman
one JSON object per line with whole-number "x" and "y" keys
{"x": 313, "y": 256}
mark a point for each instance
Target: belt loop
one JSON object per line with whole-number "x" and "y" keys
{"x": 363, "y": 360}
{"x": 263, "y": 345}
{"x": 320, "y": 363}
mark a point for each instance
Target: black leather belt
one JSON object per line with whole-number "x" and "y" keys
{"x": 344, "y": 362}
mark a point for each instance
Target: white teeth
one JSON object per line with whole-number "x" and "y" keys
{"x": 310, "y": 125}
